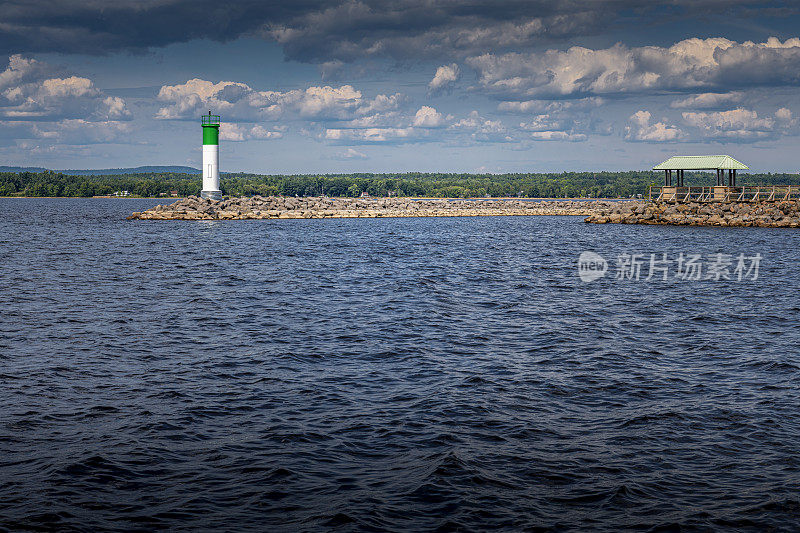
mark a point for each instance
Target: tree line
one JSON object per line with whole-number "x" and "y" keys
{"x": 430, "y": 184}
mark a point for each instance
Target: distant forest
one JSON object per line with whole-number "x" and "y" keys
{"x": 540, "y": 185}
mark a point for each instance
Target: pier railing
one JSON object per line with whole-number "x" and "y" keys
{"x": 722, "y": 193}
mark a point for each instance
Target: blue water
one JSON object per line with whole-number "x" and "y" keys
{"x": 446, "y": 374}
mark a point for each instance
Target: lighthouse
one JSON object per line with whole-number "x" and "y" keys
{"x": 211, "y": 157}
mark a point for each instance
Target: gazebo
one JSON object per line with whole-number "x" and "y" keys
{"x": 721, "y": 191}
{"x": 681, "y": 163}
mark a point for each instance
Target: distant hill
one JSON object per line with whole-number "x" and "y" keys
{"x": 21, "y": 169}
{"x": 109, "y": 171}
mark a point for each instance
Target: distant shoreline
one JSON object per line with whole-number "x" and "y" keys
{"x": 176, "y": 198}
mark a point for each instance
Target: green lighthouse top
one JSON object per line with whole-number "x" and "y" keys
{"x": 210, "y": 120}
{"x": 210, "y": 129}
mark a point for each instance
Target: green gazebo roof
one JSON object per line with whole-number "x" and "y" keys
{"x": 701, "y": 162}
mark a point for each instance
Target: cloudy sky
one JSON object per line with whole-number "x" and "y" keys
{"x": 400, "y": 85}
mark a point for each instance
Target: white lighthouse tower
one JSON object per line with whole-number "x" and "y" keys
{"x": 211, "y": 157}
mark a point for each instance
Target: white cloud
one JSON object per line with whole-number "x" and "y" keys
{"x": 371, "y": 135}
{"x": 689, "y": 64}
{"x": 115, "y": 108}
{"x": 234, "y": 100}
{"x": 562, "y": 120}
{"x": 52, "y": 88}
{"x": 57, "y": 109}
{"x": 481, "y": 129}
{"x": 709, "y": 101}
{"x": 445, "y": 78}
{"x": 23, "y": 70}
{"x": 229, "y": 131}
{"x": 30, "y": 90}
{"x": 327, "y": 101}
{"x": 350, "y": 154}
{"x": 546, "y": 128}
{"x": 785, "y": 115}
{"x": 382, "y": 103}
{"x": 474, "y": 121}
{"x": 55, "y": 97}
{"x": 528, "y": 106}
{"x": 557, "y": 136}
{"x": 640, "y": 129}
{"x": 426, "y": 125}
{"x": 740, "y": 123}
{"x": 550, "y": 106}
{"x": 79, "y": 131}
{"x": 378, "y": 120}
{"x": 545, "y": 123}
{"x": 428, "y": 117}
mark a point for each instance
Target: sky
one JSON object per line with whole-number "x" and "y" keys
{"x": 328, "y": 86}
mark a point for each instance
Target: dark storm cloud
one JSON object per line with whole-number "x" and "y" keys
{"x": 99, "y": 26}
{"x": 327, "y": 30}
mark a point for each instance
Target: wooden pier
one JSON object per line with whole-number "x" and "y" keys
{"x": 724, "y": 193}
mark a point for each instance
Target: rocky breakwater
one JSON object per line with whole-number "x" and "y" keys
{"x": 785, "y": 214}
{"x": 258, "y": 207}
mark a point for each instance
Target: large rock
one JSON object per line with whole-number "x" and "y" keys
{"x": 763, "y": 214}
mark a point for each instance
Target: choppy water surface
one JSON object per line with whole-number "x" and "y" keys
{"x": 388, "y": 374}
